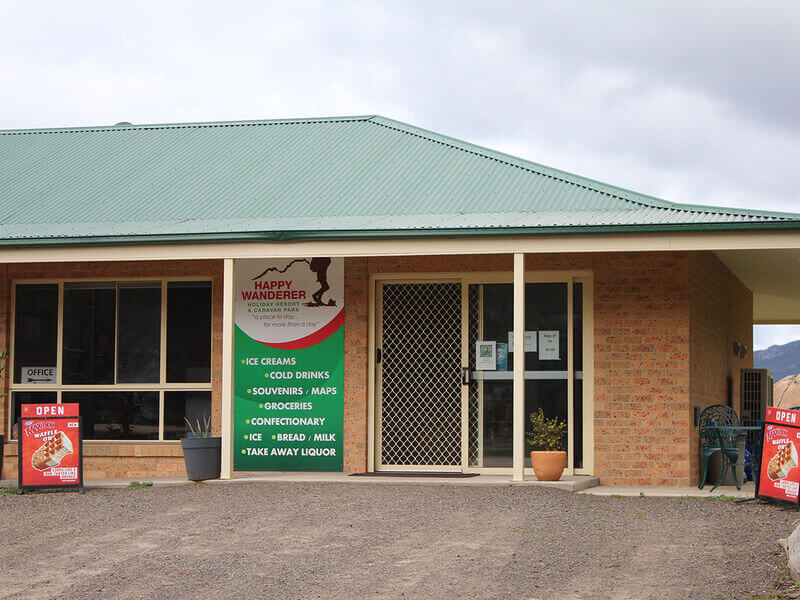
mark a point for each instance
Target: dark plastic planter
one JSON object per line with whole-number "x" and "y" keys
{"x": 202, "y": 457}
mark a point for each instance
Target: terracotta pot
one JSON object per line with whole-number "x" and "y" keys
{"x": 548, "y": 465}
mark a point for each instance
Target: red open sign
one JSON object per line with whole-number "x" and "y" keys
{"x": 50, "y": 449}
{"x": 49, "y": 410}
{"x": 779, "y": 476}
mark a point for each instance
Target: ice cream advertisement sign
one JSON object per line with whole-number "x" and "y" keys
{"x": 289, "y": 364}
{"x": 50, "y": 446}
{"x": 779, "y": 477}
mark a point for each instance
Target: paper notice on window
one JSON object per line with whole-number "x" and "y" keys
{"x": 502, "y": 356}
{"x": 485, "y": 355}
{"x": 548, "y": 345}
{"x": 529, "y": 340}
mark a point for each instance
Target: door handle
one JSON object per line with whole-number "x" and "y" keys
{"x": 464, "y": 375}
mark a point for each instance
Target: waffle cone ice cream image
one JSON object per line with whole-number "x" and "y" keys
{"x": 783, "y": 462}
{"x": 52, "y": 452}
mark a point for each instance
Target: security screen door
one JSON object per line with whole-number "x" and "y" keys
{"x": 420, "y": 342}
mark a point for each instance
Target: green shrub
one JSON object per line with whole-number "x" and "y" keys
{"x": 549, "y": 434}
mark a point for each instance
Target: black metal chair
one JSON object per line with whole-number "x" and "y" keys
{"x": 713, "y": 439}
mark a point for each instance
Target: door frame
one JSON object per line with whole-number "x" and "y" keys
{"x": 586, "y": 277}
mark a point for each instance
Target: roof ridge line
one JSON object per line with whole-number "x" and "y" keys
{"x": 188, "y": 125}
{"x": 508, "y": 162}
{"x": 565, "y": 176}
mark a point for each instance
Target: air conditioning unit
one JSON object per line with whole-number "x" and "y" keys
{"x": 756, "y": 396}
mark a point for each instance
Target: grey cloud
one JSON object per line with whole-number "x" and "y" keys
{"x": 690, "y": 101}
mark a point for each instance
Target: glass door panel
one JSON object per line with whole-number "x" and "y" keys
{"x": 497, "y": 393}
{"x": 546, "y": 365}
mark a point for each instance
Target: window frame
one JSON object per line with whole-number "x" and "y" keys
{"x": 161, "y": 386}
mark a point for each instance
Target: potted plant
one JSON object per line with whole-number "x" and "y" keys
{"x": 201, "y": 452}
{"x": 548, "y": 464}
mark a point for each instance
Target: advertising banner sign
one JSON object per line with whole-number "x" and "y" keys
{"x": 779, "y": 477}
{"x": 289, "y": 364}
{"x": 50, "y": 451}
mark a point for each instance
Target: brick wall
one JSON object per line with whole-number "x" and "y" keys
{"x": 356, "y": 305}
{"x": 642, "y": 403}
{"x": 102, "y": 460}
{"x": 641, "y": 330}
{"x": 107, "y": 459}
{"x": 721, "y": 312}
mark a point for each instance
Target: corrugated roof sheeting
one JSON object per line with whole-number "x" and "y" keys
{"x": 346, "y": 174}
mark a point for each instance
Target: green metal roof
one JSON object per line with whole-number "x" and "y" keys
{"x": 347, "y": 177}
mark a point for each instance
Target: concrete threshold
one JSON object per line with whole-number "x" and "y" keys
{"x": 569, "y": 483}
{"x": 726, "y": 491}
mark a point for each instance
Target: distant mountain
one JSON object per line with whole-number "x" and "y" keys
{"x": 781, "y": 360}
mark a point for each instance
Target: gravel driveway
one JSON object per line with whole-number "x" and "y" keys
{"x": 375, "y": 540}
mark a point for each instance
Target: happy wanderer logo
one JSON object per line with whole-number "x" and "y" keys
{"x": 318, "y": 266}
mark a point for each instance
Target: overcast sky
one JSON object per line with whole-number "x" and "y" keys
{"x": 693, "y": 102}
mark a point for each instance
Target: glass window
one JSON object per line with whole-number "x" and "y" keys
{"x": 545, "y": 377}
{"x": 117, "y": 415}
{"x": 546, "y": 310}
{"x": 35, "y": 327}
{"x": 19, "y": 398}
{"x": 194, "y": 405}
{"x": 139, "y": 332}
{"x": 498, "y": 302}
{"x": 551, "y": 396}
{"x": 189, "y": 331}
{"x": 89, "y": 325}
{"x": 111, "y": 338}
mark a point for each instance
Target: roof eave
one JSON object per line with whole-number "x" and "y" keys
{"x": 313, "y": 235}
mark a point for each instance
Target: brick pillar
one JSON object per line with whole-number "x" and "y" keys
{"x": 356, "y": 309}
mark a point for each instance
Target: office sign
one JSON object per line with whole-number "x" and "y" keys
{"x": 38, "y": 375}
{"x": 779, "y": 477}
{"x": 289, "y": 364}
{"x": 50, "y": 452}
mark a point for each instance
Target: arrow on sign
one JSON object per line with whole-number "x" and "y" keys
{"x": 32, "y": 380}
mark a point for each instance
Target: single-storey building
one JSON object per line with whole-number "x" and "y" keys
{"x": 350, "y": 294}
